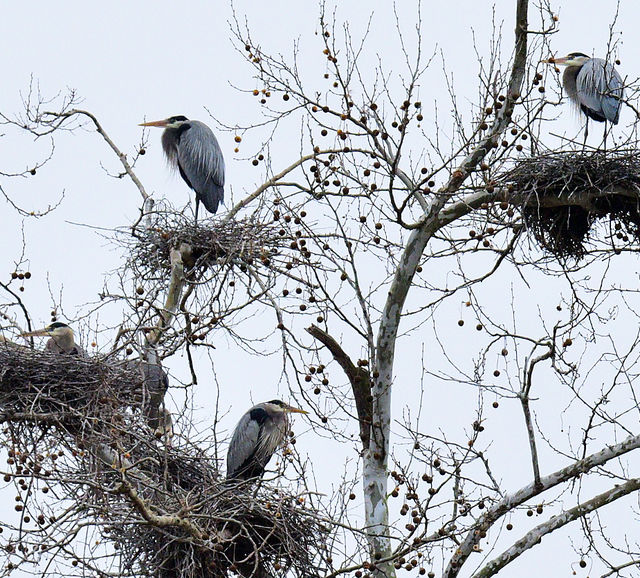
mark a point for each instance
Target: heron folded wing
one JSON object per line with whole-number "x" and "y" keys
{"x": 243, "y": 446}
{"x": 600, "y": 89}
{"x": 202, "y": 164}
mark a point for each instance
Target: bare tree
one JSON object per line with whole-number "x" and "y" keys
{"x": 387, "y": 222}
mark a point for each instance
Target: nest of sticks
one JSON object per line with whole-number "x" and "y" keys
{"x": 209, "y": 243}
{"x": 167, "y": 510}
{"x": 562, "y": 195}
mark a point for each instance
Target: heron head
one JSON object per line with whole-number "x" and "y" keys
{"x": 278, "y": 406}
{"x": 572, "y": 59}
{"x": 56, "y": 329}
{"x": 171, "y": 122}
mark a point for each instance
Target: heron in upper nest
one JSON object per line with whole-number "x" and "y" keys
{"x": 60, "y": 339}
{"x": 593, "y": 85}
{"x": 257, "y": 436}
{"x": 192, "y": 148}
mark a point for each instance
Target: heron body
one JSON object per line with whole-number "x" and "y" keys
{"x": 593, "y": 85}
{"x": 192, "y": 148}
{"x": 61, "y": 340}
{"x": 259, "y": 433}
{"x": 155, "y": 383}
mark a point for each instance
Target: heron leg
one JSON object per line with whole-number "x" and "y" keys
{"x": 586, "y": 133}
{"x": 197, "y": 205}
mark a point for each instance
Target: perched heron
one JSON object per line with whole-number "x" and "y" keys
{"x": 154, "y": 383}
{"x": 593, "y": 85}
{"x": 60, "y": 339}
{"x": 191, "y": 146}
{"x": 257, "y": 436}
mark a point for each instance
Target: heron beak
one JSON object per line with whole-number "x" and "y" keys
{"x": 37, "y": 333}
{"x": 159, "y": 123}
{"x": 292, "y": 409}
{"x": 556, "y": 60}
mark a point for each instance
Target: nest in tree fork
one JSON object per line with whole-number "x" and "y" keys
{"x": 208, "y": 243}
{"x": 240, "y": 530}
{"x": 167, "y": 510}
{"x": 563, "y": 194}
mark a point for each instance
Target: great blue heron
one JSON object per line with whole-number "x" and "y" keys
{"x": 154, "y": 383}
{"x": 191, "y": 146}
{"x": 257, "y": 436}
{"x": 60, "y": 339}
{"x": 593, "y": 85}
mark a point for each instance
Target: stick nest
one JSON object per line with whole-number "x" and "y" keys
{"x": 563, "y": 194}
{"x": 167, "y": 510}
{"x": 212, "y": 242}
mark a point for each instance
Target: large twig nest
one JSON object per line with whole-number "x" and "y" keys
{"x": 208, "y": 243}
{"x": 67, "y": 390}
{"x": 563, "y": 194}
{"x": 244, "y": 531}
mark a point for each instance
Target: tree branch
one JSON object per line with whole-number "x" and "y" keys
{"x": 535, "y": 535}
{"x": 358, "y": 377}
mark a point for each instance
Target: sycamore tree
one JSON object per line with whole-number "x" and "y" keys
{"x": 449, "y": 295}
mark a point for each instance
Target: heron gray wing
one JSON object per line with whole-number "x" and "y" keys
{"x": 244, "y": 442}
{"x": 202, "y": 164}
{"x": 600, "y": 88}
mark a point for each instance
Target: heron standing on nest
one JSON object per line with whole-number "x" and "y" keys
{"x": 593, "y": 85}
{"x": 60, "y": 339}
{"x": 257, "y": 436}
{"x": 192, "y": 148}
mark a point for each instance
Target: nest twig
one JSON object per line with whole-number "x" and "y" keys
{"x": 211, "y": 243}
{"x": 167, "y": 511}
{"x": 563, "y": 194}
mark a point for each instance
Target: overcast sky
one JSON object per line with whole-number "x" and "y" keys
{"x": 136, "y": 61}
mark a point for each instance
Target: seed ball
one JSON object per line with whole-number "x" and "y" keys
{"x": 343, "y": 277}
{"x": 27, "y": 275}
{"x": 509, "y": 526}
{"x": 460, "y": 322}
{"x": 583, "y": 564}
{"x": 325, "y": 381}
{"x": 496, "y": 373}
